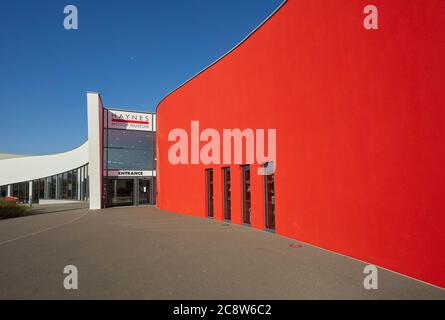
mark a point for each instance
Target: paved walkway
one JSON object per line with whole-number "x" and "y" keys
{"x": 145, "y": 253}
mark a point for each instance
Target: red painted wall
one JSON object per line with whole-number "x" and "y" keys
{"x": 360, "y": 129}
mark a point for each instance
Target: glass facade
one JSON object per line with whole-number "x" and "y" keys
{"x": 70, "y": 185}
{"x": 21, "y": 191}
{"x": 3, "y": 191}
{"x": 129, "y": 165}
{"x": 129, "y": 150}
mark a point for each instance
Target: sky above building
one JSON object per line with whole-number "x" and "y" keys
{"x": 133, "y": 52}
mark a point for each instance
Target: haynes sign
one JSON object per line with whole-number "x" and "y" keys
{"x": 131, "y": 120}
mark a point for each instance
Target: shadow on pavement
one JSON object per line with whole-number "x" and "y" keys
{"x": 56, "y": 208}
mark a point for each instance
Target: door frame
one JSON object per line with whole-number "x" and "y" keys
{"x": 243, "y": 194}
{"x": 266, "y": 208}
{"x": 225, "y": 198}
{"x": 211, "y": 214}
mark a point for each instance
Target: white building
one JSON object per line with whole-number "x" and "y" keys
{"x": 116, "y": 166}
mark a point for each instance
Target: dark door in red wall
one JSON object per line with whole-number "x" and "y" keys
{"x": 209, "y": 192}
{"x": 245, "y": 171}
{"x": 227, "y": 201}
{"x": 269, "y": 198}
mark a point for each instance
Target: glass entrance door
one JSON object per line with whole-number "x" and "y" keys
{"x": 144, "y": 191}
{"x": 120, "y": 192}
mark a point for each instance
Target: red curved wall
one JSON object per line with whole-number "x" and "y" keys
{"x": 360, "y": 129}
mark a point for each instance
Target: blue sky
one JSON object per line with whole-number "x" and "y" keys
{"x": 133, "y": 52}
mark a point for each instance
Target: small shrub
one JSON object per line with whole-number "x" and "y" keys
{"x": 9, "y": 209}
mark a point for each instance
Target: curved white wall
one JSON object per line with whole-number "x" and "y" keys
{"x": 36, "y": 167}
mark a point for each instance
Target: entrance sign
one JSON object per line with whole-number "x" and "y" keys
{"x": 130, "y": 173}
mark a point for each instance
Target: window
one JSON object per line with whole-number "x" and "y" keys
{"x": 86, "y": 192}
{"x": 123, "y": 139}
{"x": 35, "y": 191}
{"x": 60, "y": 186}
{"x": 84, "y": 183}
{"x": 21, "y": 191}
{"x": 129, "y": 159}
{"x": 75, "y": 186}
{"x": 41, "y": 188}
{"x": 64, "y": 186}
{"x": 69, "y": 186}
{"x": 3, "y": 191}
{"x": 15, "y": 190}
{"x": 52, "y": 182}
{"x": 128, "y": 150}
